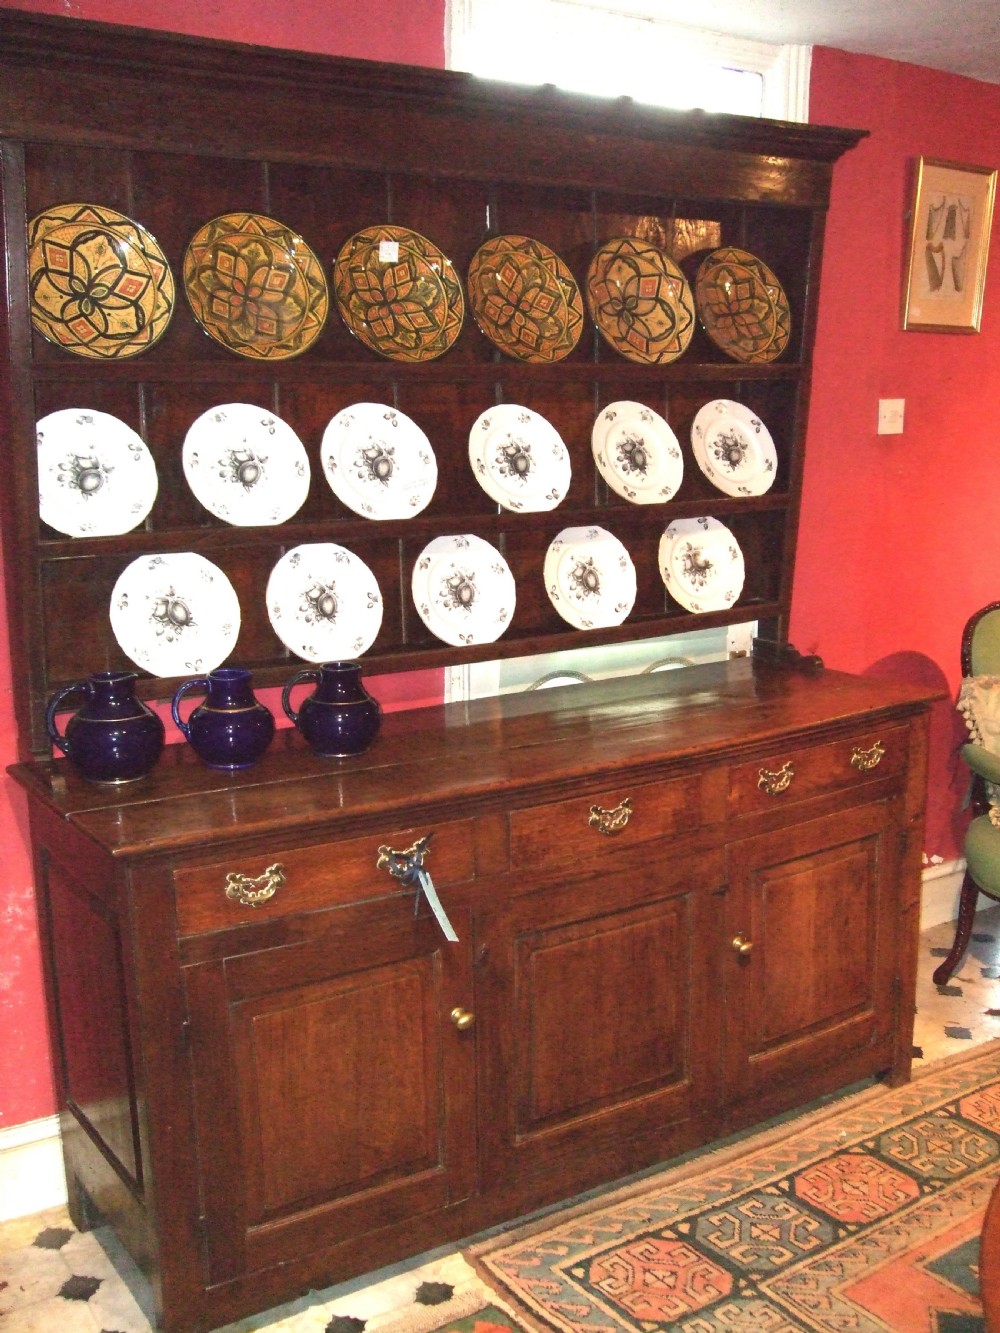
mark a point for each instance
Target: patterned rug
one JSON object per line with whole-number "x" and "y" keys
{"x": 861, "y": 1218}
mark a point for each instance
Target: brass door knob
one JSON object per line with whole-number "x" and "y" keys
{"x": 462, "y": 1019}
{"x": 742, "y": 946}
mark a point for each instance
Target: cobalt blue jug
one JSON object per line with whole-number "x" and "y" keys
{"x": 231, "y": 728}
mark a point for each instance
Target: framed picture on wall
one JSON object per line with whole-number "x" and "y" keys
{"x": 949, "y": 245}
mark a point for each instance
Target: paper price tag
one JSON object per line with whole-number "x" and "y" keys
{"x": 388, "y": 252}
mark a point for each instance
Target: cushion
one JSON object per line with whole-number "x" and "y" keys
{"x": 979, "y": 704}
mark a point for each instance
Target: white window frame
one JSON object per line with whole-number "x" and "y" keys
{"x": 478, "y": 26}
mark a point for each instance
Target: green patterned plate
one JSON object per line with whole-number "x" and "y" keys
{"x": 255, "y": 286}
{"x": 398, "y": 293}
{"x": 742, "y": 305}
{"x": 100, "y": 285}
{"x": 525, "y": 299}
{"x": 640, "y": 301}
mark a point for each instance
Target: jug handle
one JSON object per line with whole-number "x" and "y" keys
{"x": 55, "y": 735}
{"x": 199, "y": 683}
{"x": 308, "y": 673}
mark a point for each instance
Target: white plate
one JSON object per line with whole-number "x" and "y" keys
{"x": 378, "y": 462}
{"x": 701, "y": 564}
{"x": 463, "y": 590}
{"x": 519, "y": 459}
{"x": 589, "y": 578}
{"x": 637, "y": 453}
{"x": 733, "y": 448}
{"x": 324, "y": 602}
{"x": 175, "y": 614}
{"x": 245, "y": 465}
{"x": 96, "y": 478}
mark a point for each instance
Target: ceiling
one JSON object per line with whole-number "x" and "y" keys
{"x": 960, "y": 36}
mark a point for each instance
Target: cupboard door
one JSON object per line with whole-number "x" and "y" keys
{"x": 334, "y": 1089}
{"x": 810, "y": 942}
{"x": 600, "y": 1038}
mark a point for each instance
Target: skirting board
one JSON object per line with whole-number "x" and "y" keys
{"x": 941, "y": 884}
{"x": 31, "y": 1170}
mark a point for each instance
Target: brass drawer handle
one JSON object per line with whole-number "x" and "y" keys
{"x": 406, "y": 865}
{"x": 613, "y": 821}
{"x": 253, "y": 892}
{"x": 742, "y": 946}
{"x": 865, "y": 760}
{"x": 462, "y": 1019}
{"x": 776, "y": 781}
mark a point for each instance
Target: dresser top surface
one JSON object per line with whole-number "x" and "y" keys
{"x": 445, "y": 758}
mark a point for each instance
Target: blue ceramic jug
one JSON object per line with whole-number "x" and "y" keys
{"x": 113, "y": 737}
{"x": 340, "y": 718}
{"x": 230, "y": 728}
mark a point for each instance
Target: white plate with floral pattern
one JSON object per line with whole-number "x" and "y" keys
{"x": 637, "y": 453}
{"x": 378, "y": 462}
{"x": 589, "y": 577}
{"x": 246, "y": 465}
{"x": 701, "y": 564}
{"x": 324, "y": 602}
{"x": 175, "y": 614}
{"x": 733, "y": 448}
{"x": 463, "y": 590}
{"x": 519, "y": 459}
{"x": 96, "y": 478}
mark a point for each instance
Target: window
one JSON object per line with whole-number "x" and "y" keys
{"x": 586, "y": 46}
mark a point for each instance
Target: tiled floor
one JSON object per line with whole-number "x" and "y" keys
{"x": 55, "y": 1280}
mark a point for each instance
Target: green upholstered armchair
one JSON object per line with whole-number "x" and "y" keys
{"x": 980, "y": 701}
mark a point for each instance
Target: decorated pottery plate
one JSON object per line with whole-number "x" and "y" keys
{"x": 701, "y": 564}
{"x": 378, "y": 461}
{"x": 589, "y": 578}
{"x": 519, "y": 459}
{"x": 100, "y": 285}
{"x": 245, "y": 465}
{"x": 640, "y": 301}
{"x": 525, "y": 299}
{"x": 324, "y": 602}
{"x": 463, "y": 590}
{"x": 175, "y": 614}
{"x": 742, "y": 305}
{"x": 733, "y": 448}
{"x": 96, "y": 478}
{"x": 255, "y": 286}
{"x": 398, "y": 293}
{"x": 637, "y": 453}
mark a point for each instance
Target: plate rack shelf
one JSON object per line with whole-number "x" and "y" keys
{"x": 174, "y": 131}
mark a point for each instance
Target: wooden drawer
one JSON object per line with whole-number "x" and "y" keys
{"x": 327, "y": 874}
{"x": 602, "y": 822}
{"x": 798, "y": 772}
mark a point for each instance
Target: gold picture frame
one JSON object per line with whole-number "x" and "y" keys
{"x": 949, "y": 246}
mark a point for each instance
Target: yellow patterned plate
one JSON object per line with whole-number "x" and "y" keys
{"x": 100, "y": 284}
{"x": 640, "y": 301}
{"x": 742, "y": 305}
{"x": 255, "y": 286}
{"x": 525, "y": 299}
{"x": 398, "y": 293}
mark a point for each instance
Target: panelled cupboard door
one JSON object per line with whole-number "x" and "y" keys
{"x": 607, "y": 1036}
{"x": 811, "y": 928}
{"x": 335, "y": 1093}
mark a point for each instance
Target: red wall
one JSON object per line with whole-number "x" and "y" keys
{"x": 898, "y": 540}
{"x": 407, "y": 31}
{"x": 895, "y": 548}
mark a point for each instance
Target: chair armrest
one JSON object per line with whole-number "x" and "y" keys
{"x": 983, "y": 762}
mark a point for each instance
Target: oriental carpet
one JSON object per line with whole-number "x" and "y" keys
{"x": 861, "y": 1218}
